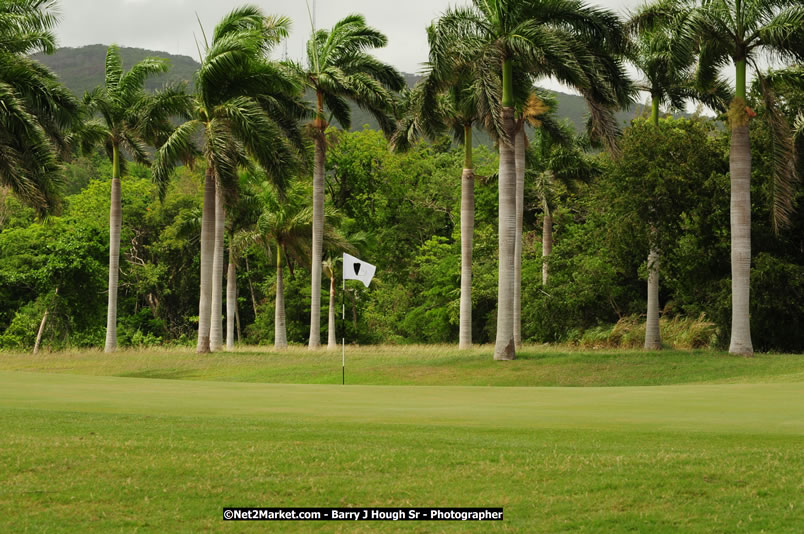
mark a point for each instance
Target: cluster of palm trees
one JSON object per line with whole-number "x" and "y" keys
{"x": 247, "y": 111}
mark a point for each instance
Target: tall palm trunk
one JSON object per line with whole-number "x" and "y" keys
{"x": 547, "y": 240}
{"x": 504, "y": 348}
{"x": 231, "y": 299}
{"x": 216, "y": 317}
{"x": 519, "y": 161}
{"x": 318, "y": 235}
{"x": 207, "y": 247}
{"x": 280, "y": 330}
{"x": 467, "y": 236}
{"x": 653, "y": 338}
{"x": 740, "y": 172}
{"x": 332, "y": 342}
{"x": 115, "y": 223}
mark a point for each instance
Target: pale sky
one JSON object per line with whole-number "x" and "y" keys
{"x": 171, "y": 25}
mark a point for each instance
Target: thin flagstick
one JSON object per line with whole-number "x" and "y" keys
{"x": 343, "y": 339}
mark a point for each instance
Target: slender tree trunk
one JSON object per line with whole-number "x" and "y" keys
{"x": 40, "y": 331}
{"x": 505, "y": 348}
{"x": 653, "y": 339}
{"x": 547, "y": 240}
{"x": 251, "y": 288}
{"x": 332, "y": 342}
{"x": 740, "y": 172}
{"x": 231, "y": 299}
{"x": 467, "y": 237}
{"x": 115, "y": 224}
{"x": 237, "y": 322}
{"x": 318, "y": 237}
{"x": 207, "y": 249}
{"x": 216, "y": 317}
{"x": 519, "y": 161}
{"x": 280, "y": 330}
{"x": 42, "y": 324}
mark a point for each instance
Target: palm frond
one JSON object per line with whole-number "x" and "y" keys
{"x": 785, "y": 175}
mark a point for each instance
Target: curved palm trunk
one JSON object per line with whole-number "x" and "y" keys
{"x": 216, "y": 317}
{"x": 740, "y": 170}
{"x": 318, "y": 238}
{"x": 547, "y": 240}
{"x": 653, "y": 339}
{"x": 280, "y": 330}
{"x": 40, "y": 331}
{"x": 467, "y": 236}
{"x": 332, "y": 342}
{"x": 504, "y": 348}
{"x": 519, "y": 161}
{"x": 231, "y": 300}
{"x": 207, "y": 246}
{"x": 115, "y": 224}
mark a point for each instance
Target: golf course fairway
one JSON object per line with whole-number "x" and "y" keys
{"x": 99, "y": 453}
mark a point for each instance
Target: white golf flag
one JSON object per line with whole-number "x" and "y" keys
{"x": 356, "y": 269}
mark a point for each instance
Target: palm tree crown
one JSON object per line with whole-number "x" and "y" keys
{"x": 340, "y": 69}
{"x": 37, "y": 109}
{"x": 245, "y": 108}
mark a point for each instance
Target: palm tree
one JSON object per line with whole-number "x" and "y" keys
{"x": 743, "y": 32}
{"x": 536, "y": 110}
{"x": 242, "y": 219}
{"x": 556, "y": 158}
{"x": 127, "y": 119}
{"x": 37, "y": 109}
{"x": 561, "y": 38}
{"x": 457, "y": 100}
{"x": 668, "y": 70}
{"x": 244, "y": 108}
{"x": 287, "y": 225}
{"x": 340, "y": 69}
{"x": 350, "y": 245}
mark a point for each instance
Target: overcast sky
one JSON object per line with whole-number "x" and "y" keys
{"x": 171, "y": 25}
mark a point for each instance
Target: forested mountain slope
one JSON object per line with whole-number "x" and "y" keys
{"x": 82, "y": 68}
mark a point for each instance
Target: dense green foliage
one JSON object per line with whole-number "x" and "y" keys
{"x": 667, "y": 183}
{"x": 409, "y": 205}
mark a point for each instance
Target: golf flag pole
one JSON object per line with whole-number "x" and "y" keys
{"x": 353, "y": 269}
{"x": 343, "y": 334}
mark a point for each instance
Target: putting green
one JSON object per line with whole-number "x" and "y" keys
{"x": 732, "y": 408}
{"x": 94, "y": 453}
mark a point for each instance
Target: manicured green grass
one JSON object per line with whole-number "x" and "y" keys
{"x": 162, "y": 440}
{"x": 95, "y": 453}
{"x": 419, "y": 365}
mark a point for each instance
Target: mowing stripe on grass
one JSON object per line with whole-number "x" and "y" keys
{"x": 732, "y": 408}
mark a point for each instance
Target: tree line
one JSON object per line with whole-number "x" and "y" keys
{"x": 248, "y": 128}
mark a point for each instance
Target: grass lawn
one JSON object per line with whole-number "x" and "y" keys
{"x": 95, "y": 443}
{"x": 425, "y": 365}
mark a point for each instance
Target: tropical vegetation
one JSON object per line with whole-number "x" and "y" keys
{"x": 490, "y": 219}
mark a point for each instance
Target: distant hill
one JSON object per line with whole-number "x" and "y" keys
{"x": 81, "y": 69}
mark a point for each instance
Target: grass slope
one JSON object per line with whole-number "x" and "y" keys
{"x": 95, "y": 453}
{"x": 426, "y": 365}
